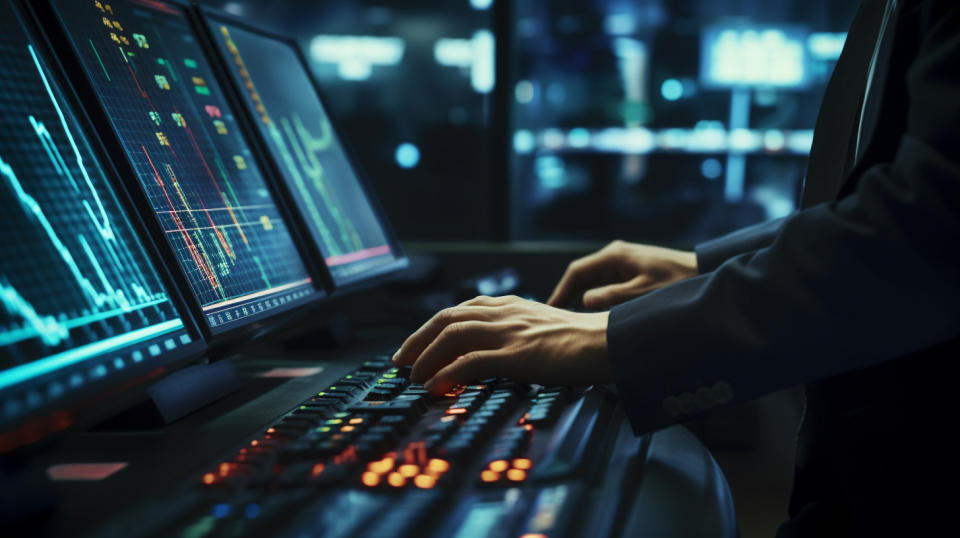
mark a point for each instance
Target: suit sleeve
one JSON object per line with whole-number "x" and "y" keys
{"x": 710, "y": 254}
{"x": 843, "y": 286}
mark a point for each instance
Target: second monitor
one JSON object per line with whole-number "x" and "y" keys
{"x": 212, "y": 204}
{"x": 279, "y": 92}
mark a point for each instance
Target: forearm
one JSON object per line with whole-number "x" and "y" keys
{"x": 712, "y": 253}
{"x": 843, "y": 287}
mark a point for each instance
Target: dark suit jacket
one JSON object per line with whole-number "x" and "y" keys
{"x": 856, "y": 295}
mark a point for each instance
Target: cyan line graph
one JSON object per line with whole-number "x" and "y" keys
{"x": 104, "y": 298}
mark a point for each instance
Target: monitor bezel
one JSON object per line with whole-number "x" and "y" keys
{"x": 101, "y": 399}
{"x": 207, "y": 17}
{"x": 219, "y": 339}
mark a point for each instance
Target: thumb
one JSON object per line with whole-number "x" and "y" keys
{"x": 606, "y": 297}
{"x": 582, "y": 274}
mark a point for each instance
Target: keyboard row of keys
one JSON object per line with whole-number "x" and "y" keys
{"x": 373, "y": 430}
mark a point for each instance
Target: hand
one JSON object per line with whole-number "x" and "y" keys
{"x": 510, "y": 337}
{"x": 619, "y": 272}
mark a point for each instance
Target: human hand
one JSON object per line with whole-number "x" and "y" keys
{"x": 619, "y": 272}
{"x": 507, "y": 337}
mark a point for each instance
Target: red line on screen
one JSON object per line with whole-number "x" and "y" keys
{"x": 358, "y": 255}
{"x": 191, "y": 247}
{"x": 216, "y": 230}
{"x": 159, "y": 6}
{"x": 139, "y": 87}
{"x": 226, "y": 204}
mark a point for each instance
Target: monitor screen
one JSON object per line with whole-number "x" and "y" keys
{"x": 79, "y": 301}
{"x": 277, "y": 87}
{"x": 411, "y": 86}
{"x": 193, "y": 162}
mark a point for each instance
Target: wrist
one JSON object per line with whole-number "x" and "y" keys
{"x": 688, "y": 259}
{"x": 594, "y": 348}
{"x": 682, "y": 263}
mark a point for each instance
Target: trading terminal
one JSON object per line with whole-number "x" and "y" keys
{"x": 222, "y": 219}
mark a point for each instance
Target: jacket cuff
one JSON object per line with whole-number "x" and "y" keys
{"x": 659, "y": 380}
{"x": 711, "y": 254}
{"x": 639, "y": 384}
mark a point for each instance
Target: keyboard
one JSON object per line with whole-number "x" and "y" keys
{"x": 374, "y": 454}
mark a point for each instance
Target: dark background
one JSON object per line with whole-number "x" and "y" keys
{"x": 415, "y": 74}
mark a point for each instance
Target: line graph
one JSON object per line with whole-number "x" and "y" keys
{"x": 298, "y": 148}
{"x": 278, "y": 91}
{"x": 72, "y": 274}
{"x": 187, "y": 150}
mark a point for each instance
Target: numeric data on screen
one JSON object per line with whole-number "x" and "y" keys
{"x": 194, "y": 164}
{"x": 75, "y": 283}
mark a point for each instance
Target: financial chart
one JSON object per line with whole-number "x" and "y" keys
{"x": 192, "y": 161}
{"x": 75, "y": 283}
{"x": 292, "y": 119}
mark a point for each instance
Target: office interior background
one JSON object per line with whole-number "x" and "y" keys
{"x": 668, "y": 121}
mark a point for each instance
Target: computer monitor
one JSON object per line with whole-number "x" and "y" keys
{"x": 279, "y": 93}
{"x": 411, "y": 84}
{"x": 203, "y": 184}
{"x": 81, "y": 307}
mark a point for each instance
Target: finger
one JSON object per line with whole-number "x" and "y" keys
{"x": 484, "y": 300}
{"x": 453, "y": 341}
{"x": 422, "y": 337}
{"x": 470, "y": 367}
{"x": 606, "y": 297}
{"x": 573, "y": 280}
{"x": 564, "y": 290}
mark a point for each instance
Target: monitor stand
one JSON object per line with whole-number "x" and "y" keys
{"x": 176, "y": 396}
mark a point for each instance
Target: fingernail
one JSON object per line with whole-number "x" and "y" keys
{"x": 395, "y": 359}
{"x": 429, "y": 385}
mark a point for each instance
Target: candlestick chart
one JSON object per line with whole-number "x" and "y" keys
{"x": 193, "y": 162}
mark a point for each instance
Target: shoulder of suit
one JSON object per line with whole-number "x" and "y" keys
{"x": 911, "y": 5}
